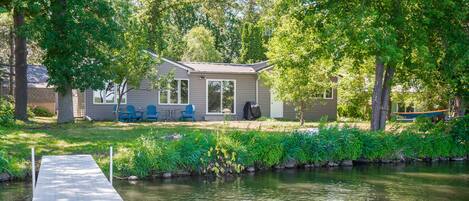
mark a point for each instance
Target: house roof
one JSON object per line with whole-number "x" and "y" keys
{"x": 207, "y": 67}
{"x": 203, "y": 67}
{"x": 37, "y": 76}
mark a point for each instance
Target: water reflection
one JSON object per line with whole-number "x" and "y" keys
{"x": 442, "y": 181}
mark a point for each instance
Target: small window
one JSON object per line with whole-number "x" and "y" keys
{"x": 410, "y": 108}
{"x": 400, "y": 107}
{"x": 108, "y": 95}
{"x": 177, "y": 93}
{"x": 328, "y": 94}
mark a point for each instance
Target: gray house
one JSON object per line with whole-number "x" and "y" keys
{"x": 213, "y": 88}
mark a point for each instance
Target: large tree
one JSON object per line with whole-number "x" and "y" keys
{"x": 76, "y": 36}
{"x": 252, "y": 45}
{"x": 391, "y": 32}
{"x": 301, "y": 73}
{"x": 168, "y": 20}
{"x": 132, "y": 63}
{"x": 200, "y": 46}
{"x": 447, "y": 23}
{"x": 19, "y": 8}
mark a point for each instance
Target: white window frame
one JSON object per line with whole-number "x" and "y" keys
{"x": 116, "y": 96}
{"x": 179, "y": 94}
{"x": 332, "y": 95}
{"x": 221, "y": 97}
{"x": 405, "y": 107}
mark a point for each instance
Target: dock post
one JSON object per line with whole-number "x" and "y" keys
{"x": 110, "y": 165}
{"x": 33, "y": 169}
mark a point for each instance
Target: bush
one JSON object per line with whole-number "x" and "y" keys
{"x": 192, "y": 147}
{"x": 263, "y": 150}
{"x": 297, "y": 146}
{"x": 339, "y": 144}
{"x": 223, "y": 157}
{"x": 222, "y": 153}
{"x": 379, "y": 145}
{"x": 12, "y": 166}
{"x": 42, "y": 112}
{"x": 459, "y": 130}
{"x": 7, "y": 113}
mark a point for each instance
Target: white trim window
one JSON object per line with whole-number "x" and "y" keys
{"x": 108, "y": 95}
{"x": 220, "y": 96}
{"x": 328, "y": 94}
{"x": 176, "y": 94}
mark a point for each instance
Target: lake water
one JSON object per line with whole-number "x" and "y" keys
{"x": 438, "y": 181}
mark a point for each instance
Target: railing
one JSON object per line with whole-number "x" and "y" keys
{"x": 33, "y": 168}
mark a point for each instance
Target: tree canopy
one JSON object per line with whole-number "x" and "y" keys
{"x": 76, "y": 43}
{"x": 252, "y": 45}
{"x": 200, "y": 46}
{"x": 298, "y": 77}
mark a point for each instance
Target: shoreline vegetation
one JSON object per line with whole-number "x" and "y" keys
{"x": 148, "y": 152}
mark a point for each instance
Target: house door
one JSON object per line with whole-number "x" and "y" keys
{"x": 276, "y": 106}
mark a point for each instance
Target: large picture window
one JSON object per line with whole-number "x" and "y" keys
{"x": 221, "y": 96}
{"x": 176, "y": 94}
{"x": 108, "y": 95}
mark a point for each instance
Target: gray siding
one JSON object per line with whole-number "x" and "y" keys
{"x": 245, "y": 91}
{"x": 324, "y": 107}
{"x": 313, "y": 113}
{"x": 140, "y": 98}
{"x": 264, "y": 98}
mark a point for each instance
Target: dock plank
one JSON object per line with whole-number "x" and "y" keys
{"x": 72, "y": 178}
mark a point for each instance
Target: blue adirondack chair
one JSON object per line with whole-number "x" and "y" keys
{"x": 188, "y": 113}
{"x": 122, "y": 116}
{"x": 133, "y": 114}
{"x": 152, "y": 113}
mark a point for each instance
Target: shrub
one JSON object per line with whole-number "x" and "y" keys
{"x": 339, "y": 144}
{"x": 222, "y": 153}
{"x": 192, "y": 147}
{"x": 223, "y": 157}
{"x": 7, "y": 113}
{"x": 378, "y": 145}
{"x": 144, "y": 156}
{"x": 42, "y": 112}
{"x": 263, "y": 150}
{"x": 459, "y": 131}
{"x": 123, "y": 162}
{"x": 13, "y": 166}
{"x": 296, "y": 147}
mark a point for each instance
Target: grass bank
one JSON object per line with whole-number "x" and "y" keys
{"x": 94, "y": 138}
{"x": 144, "y": 149}
{"x": 229, "y": 152}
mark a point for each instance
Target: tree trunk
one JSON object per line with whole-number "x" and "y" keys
{"x": 386, "y": 96}
{"x": 21, "y": 82}
{"x": 65, "y": 99}
{"x": 118, "y": 107}
{"x": 1, "y": 87}
{"x": 459, "y": 106}
{"x": 377, "y": 94}
{"x": 11, "y": 62}
{"x": 302, "y": 114}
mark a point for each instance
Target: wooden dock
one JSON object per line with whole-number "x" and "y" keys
{"x": 72, "y": 178}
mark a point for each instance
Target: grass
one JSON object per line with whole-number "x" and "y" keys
{"x": 95, "y": 138}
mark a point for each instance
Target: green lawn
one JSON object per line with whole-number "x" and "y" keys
{"x": 95, "y": 138}
{"x": 81, "y": 138}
